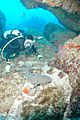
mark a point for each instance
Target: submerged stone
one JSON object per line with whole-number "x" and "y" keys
{"x": 68, "y": 19}
{"x": 57, "y": 35}
{"x": 36, "y": 79}
{"x": 47, "y": 106}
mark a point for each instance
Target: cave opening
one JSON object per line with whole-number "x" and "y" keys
{"x": 17, "y": 16}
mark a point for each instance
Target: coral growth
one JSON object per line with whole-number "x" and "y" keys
{"x": 68, "y": 60}
{"x": 49, "y": 104}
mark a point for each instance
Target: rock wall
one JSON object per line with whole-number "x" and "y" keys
{"x": 2, "y": 22}
{"x": 72, "y": 5}
{"x": 69, "y": 5}
{"x": 69, "y": 20}
{"x": 67, "y": 59}
{"x": 56, "y": 34}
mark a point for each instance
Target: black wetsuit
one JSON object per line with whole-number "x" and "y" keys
{"x": 16, "y": 46}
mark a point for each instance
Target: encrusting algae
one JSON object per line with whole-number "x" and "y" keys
{"x": 47, "y": 104}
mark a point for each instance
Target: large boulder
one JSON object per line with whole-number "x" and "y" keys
{"x": 57, "y": 35}
{"x": 30, "y": 4}
{"x": 49, "y": 105}
{"x": 68, "y": 60}
{"x": 69, "y": 19}
{"x": 46, "y": 98}
{"x": 50, "y": 28}
{"x": 73, "y": 108}
{"x": 69, "y": 5}
{"x": 72, "y": 5}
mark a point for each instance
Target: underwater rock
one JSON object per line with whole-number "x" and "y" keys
{"x": 69, "y": 20}
{"x": 72, "y": 5}
{"x": 45, "y": 100}
{"x": 30, "y": 3}
{"x": 52, "y": 97}
{"x": 68, "y": 60}
{"x": 38, "y": 79}
{"x": 2, "y": 22}
{"x": 74, "y": 106}
{"x": 48, "y": 105}
{"x": 57, "y": 35}
{"x": 50, "y": 28}
{"x": 69, "y": 5}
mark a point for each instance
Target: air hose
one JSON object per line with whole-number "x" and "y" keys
{"x": 2, "y": 52}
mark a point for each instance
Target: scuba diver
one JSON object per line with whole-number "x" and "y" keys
{"x": 16, "y": 41}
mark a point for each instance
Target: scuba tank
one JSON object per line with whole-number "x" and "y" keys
{"x": 14, "y": 43}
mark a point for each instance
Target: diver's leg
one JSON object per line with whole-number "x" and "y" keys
{"x": 17, "y": 52}
{"x": 8, "y": 53}
{"x": 33, "y": 50}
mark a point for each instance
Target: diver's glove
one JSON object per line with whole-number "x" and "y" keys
{"x": 39, "y": 56}
{"x": 37, "y": 38}
{"x": 40, "y": 37}
{"x": 28, "y": 43}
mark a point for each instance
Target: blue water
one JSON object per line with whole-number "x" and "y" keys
{"x": 17, "y": 16}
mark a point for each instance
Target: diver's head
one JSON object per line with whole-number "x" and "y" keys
{"x": 16, "y": 32}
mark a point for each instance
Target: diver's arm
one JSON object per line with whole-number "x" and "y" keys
{"x": 37, "y": 38}
{"x": 40, "y": 37}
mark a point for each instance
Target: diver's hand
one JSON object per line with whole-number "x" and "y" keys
{"x": 40, "y": 37}
{"x": 37, "y": 38}
{"x": 39, "y": 56}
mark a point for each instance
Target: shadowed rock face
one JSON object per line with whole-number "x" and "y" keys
{"x": 69, "y": 5}
{"x": 30, "y": 4}
{"x": 69, "y": 20}
{"x": 48, "y": 106}
{"x": 72, "y": 5}
{"x": 71, "y": 65}
{"x": 2, "y": 22}
{"x": 74, "y": 108}
{"x": 55, "y": 33}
